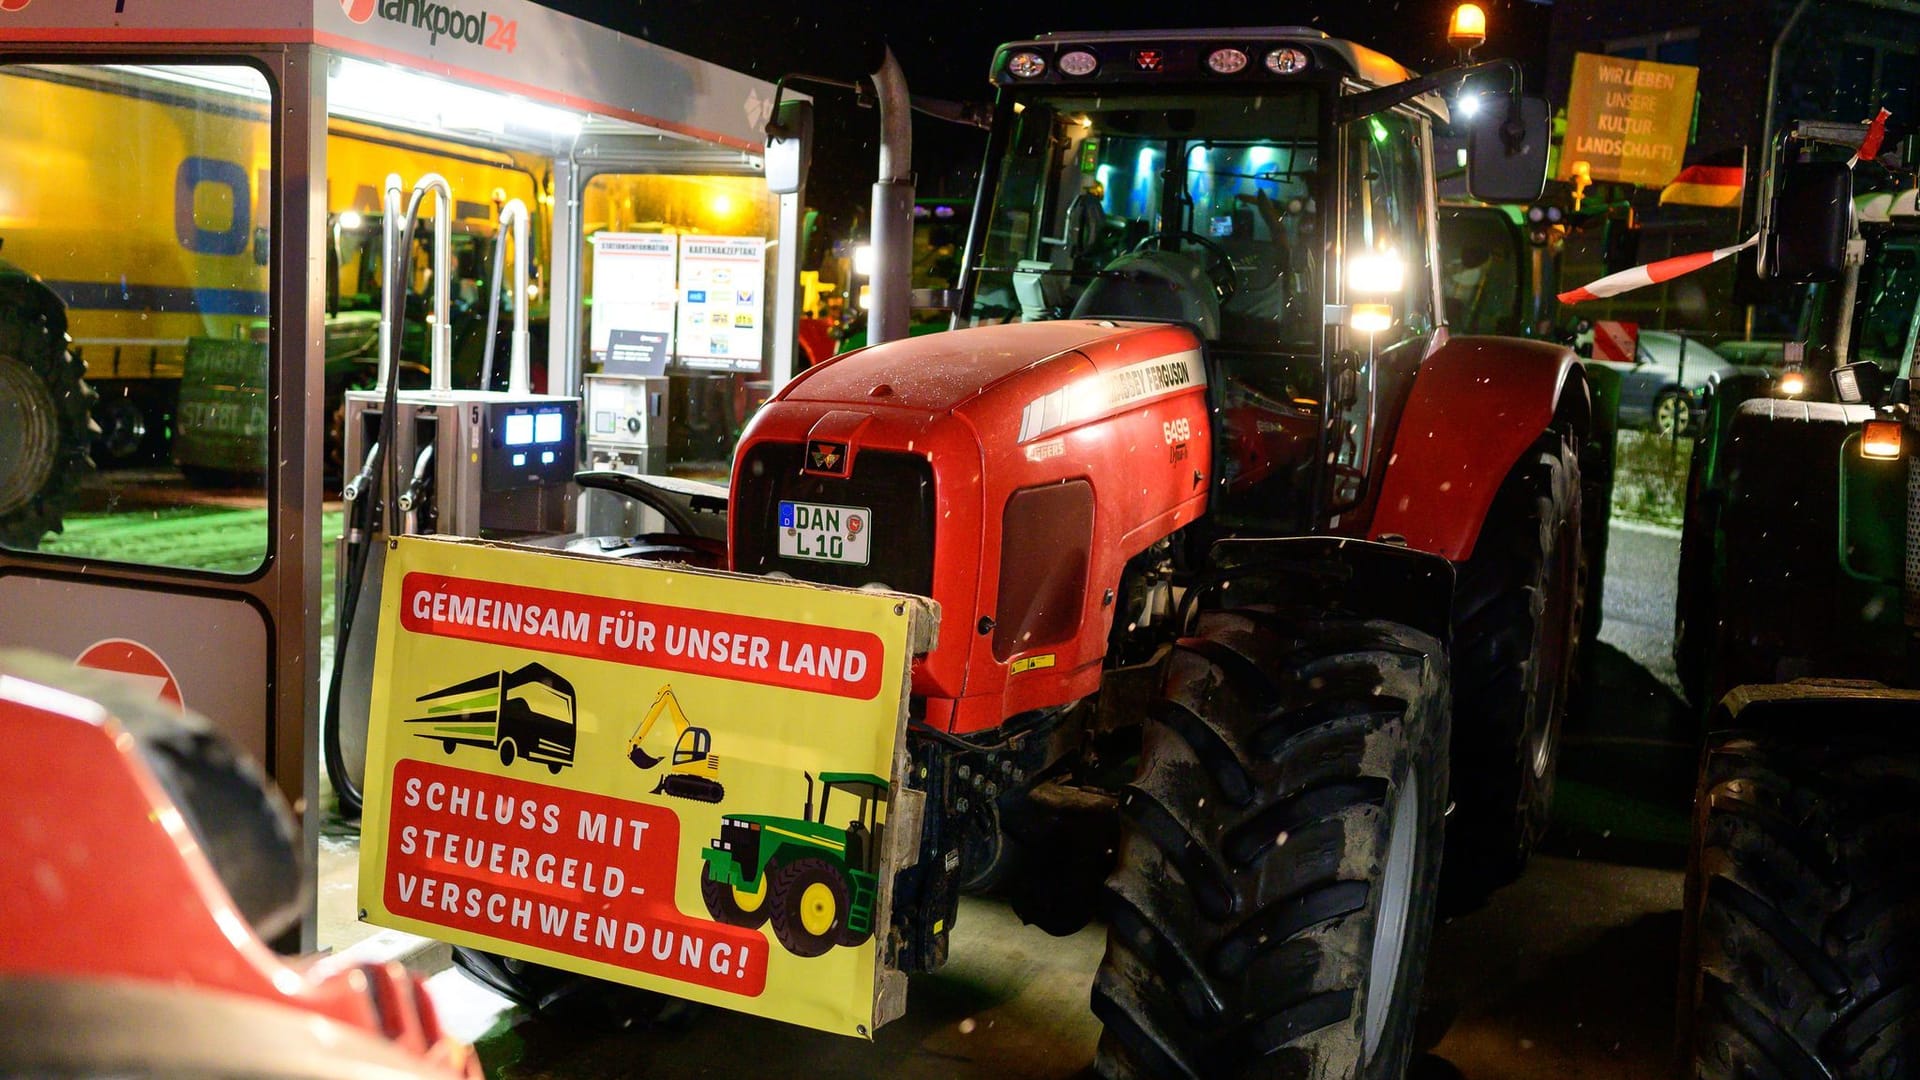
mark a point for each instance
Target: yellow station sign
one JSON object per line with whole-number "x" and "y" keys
{"x": 669, "y": 778}
{"x": 1628, "y": 120}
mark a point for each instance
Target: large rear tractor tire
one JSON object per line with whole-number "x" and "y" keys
{"x": 1518, "y": 617}
{"x": 1274, "y": 895}
{"x": 46, "y": 427}
{"x": 808, "y": 903}
{"x": 1803, "y": 911}
{"x": 576, "y": 1000}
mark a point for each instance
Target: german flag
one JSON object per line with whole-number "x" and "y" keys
{"x": 1705, "y": 185}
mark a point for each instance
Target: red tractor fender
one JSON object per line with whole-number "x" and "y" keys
{"x": 1476, "y": 405}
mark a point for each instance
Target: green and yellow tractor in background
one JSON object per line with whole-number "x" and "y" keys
{"x": 1799, "y": 617}
{"x": 817, "y": 882}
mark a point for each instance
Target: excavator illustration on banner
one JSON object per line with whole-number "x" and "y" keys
{"x": 695, "y": 770}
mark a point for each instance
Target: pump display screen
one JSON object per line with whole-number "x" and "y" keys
{"x": 531, "y": 444}
{"x": 533, "y": 429}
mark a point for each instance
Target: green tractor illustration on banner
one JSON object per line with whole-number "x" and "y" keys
{"x": 816, "y": 882}
{"x": 695, "y": 770}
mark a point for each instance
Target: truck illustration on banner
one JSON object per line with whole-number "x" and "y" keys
{"x": 527, "y": 714}
{"x": 818, "y": 883}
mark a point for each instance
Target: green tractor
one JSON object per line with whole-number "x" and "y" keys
{"x": 1789, "y": 564}
{"x": 1802, "y": 886}
{"x": 817, "y": 882}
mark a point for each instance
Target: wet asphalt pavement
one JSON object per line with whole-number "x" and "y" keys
{"x": 1568, "y": 973}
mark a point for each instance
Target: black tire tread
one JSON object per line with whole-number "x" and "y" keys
{"x": 1804, "y": 910}
{"x": 791, "y": 877}
{"x": 33, "y": 331}
{"x": 1227, "y": 956}
{"x": 1500, "y": 598}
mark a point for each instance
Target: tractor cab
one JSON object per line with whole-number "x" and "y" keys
{"x": 1238, "y": 183}
{"x": 863, "y": 830}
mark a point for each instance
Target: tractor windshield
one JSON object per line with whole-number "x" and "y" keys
{"x": 1883, "y": 315}
{"x": 1200, "y": 209}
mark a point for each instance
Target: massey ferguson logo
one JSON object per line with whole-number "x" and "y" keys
{"x": 827, "y": 457}
{"x": 439, "y": 20}
{"x": 13, "y": 5}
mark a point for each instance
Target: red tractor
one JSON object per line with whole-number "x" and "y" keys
{"x": 1249, "y": 570}
{"x": 1247, "y": 567}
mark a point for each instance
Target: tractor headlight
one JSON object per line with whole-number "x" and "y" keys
{"x": 1026, "y": 65}
{"x": 1793, "y": 384}
{"x": 1846, "y": 387}
{"x": 1287, "y": 61}
{"x": 1078, "y": 63}
{"x": 1377, "y": 273}
{"x": 1226, "y": 61}
{"x": 1371, "y": 318}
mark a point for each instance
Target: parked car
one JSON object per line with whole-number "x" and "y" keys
{"x": 1661, "y": 387}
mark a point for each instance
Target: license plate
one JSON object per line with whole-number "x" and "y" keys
{"x": 825, "y": 533}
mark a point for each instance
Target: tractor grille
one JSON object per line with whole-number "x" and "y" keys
{"x": 897, "y": 488}
{"x": 743, "y": 843}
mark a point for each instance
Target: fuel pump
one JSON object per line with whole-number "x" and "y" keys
{"x": 627, "y": 433}
{"x": 453, "y": 461}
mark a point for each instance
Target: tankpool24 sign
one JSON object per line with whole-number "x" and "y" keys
{"x": 672, "y": 779}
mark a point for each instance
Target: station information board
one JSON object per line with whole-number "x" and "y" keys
{"x": 669, "y": 778}
{"x": 633, "y": 300}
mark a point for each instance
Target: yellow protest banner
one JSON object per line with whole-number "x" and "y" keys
{"x": 669, "y": 778}
{"x": 1628, "y": 120}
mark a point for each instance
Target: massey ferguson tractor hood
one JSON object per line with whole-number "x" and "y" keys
{"x": 938, "y": 373}
{"x": 980, "y": 467}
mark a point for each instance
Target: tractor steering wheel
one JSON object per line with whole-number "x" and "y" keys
{"x": 1225, "y": 276}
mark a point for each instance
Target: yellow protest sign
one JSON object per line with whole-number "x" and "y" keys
{"x": 668, "y": 778}
{"x": 1628, "y": 120}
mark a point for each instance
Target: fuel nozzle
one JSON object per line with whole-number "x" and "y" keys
{"x": 359, "y": 484}
{"x": 422, "y": 477}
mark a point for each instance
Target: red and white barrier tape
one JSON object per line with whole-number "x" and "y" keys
{"x": 1652, "y": 273}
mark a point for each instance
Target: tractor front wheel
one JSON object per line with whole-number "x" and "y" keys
{"x": 46, "y": 428}
{"x": 808, "y": 899}
{"x": 1280, "y": 848}
{"x": 735, "y": 906}
{"x": 1803, "y": 909}
{"x": 1517, "y": 623}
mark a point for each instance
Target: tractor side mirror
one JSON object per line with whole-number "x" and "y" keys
{"x": 1808, "y": 222}
{"x": 1507, "y": 153}
{"x": 789, "y": 147}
